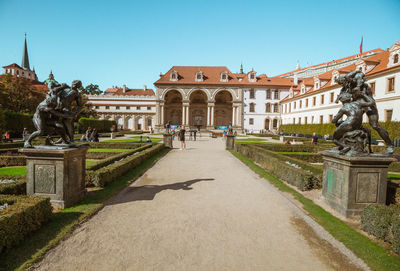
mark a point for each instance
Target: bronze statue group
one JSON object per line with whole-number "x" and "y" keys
{"x": 54, "y": 113}
{"x": 357, "y": 98}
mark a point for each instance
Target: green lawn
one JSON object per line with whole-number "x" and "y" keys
{"x": 108, "y": 150}
{"x": 88, "y": 162}
{"x": 34, "y": 247}
{"x": 20, "y": 170}
{"x": 394, "y": 176}
{"x": 251, "y": 139}
{"x": 288, "y": 152}
{"x": 240, "y": 141}
{"x": 375, "y": 255}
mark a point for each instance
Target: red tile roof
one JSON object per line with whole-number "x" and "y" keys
{"x": 211, "y": 76}
{"x": 129, "y": 92}
{"x": 14, "y": 65}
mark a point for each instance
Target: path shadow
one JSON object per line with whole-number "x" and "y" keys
{"x": 148, "y": 192}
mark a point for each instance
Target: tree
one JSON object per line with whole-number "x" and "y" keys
{"x": 18, "y": 94}
{"x": 91, "y": 89}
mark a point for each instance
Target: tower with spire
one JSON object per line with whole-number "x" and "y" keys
{"x": 25, "y": 57}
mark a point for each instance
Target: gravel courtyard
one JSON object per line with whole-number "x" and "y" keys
{"x": 200, "y": 209}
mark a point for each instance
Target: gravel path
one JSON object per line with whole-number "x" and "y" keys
{"x": 200, "y": 209}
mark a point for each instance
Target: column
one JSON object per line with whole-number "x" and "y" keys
{"x": 144, "y": 123}
{"x": 162, "y": 114}
{"x": 233, "y": 116}
{"x": 208, "y": 115}
{"x": 158, "y": 119}
{"x": 212, "y": 115}
{"x": 187, "y": 115}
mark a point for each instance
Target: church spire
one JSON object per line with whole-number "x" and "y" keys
{"x": 25, "y": 58}
{"x": 241, "y": 68}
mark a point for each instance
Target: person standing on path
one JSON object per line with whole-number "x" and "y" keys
{"x": 314, "y": 139}
{"x": 182, "y": 138}
{"x": 194, "y": 134}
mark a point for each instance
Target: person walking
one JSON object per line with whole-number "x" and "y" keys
{"x": 182, "y": 138}
{"x": 88, "y": 133}
{"x": 314, "y": 139}
{"x": 194, "y": 134}
{"x": 95, "y": 135}
{"x": 190, "y": 134}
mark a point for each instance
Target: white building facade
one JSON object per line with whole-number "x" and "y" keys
{"x": 132, "y": 109}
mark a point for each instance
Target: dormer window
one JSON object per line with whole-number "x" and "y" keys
{"x": 174, "y": 76}
{"x": 303, "y": 88}
{"x": 396, "y": 59}
{"x": 252, "y": 76}
{"x": 394, "y": 52}
{"x": 224, "y": 76}
{"x": 317, "y": 83}
{"x": 199, "y": 76}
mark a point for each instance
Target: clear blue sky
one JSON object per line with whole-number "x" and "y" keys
{"x": 131, "y": 42}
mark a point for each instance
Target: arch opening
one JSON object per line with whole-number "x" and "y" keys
{"x": 173, "y": 107}
{"x": 223, "y": 108}
{"x": 198, "y": 109}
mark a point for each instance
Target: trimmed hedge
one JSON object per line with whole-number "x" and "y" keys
{"x": 10, "y": 150}
{"x": 308, "y": 157}
{"x": 100, "y": 155}
{"x": 112, "y": 159}
{"x": 24, "y": 215}
{"x": 100, "y": 125}
{"x": 393, "y": 192}
{"x": 11, "y": 145}
{"x": 16, "y": 188}
{"x": 109, "y": 173}
{"x": 393, "y": 128}
{"x": 16, "y": 122}
{"x": 112, "y": 145}
{"x": 383, "y": 222}
{"x": 278, "y": 165}
{"x": 15, "y": 160}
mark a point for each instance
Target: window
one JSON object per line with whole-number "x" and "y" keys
{"x": 251, "y": 93}
{"x": 224, "y": 76}
{"x": 107, "y": 107}
{"x": 300, "y": 104}
{"x": 251, "y": 107}
{"x": 314, "y": 101}
{"x": 321, "y": 119}
{"x": 332, "y": 97}
{"x": 290, "y": 108}
{"x": 322, "y": 99}
{"x": 117, "y": 107}
{"x": 268, "y": 107}
{"x": 251, "y": 121}
{"x": 199, "y": 76}
{"x": 268, "y": 94}
{"x": 294, "y": 121}
{"x": 299, "y": 120}
{"x": 396, "y": 58}
{"x": 330, "y": 118}
{"x": 276, "y": 95}
{"x": 312, "y": 119}
{"x": 285, "y": 108}
{"x": 149, "y": 108}
{"x": 305, "y": 120}
{"x": 388, "y": 114}
{"x": 390, "y": 85}
{"x": 128, "y": 107}
{"x": 149, "y": 122}
{"x": 174, "y": 76}
{"x": 306, "y": 102}
{"x": 276, "y": 108}
{"x": 294, "y": 105}
{"x": 372, "y": 85}
{"x": 138, "y": 107}
{"x": 252, "y": 76}
{"x": 96, "y": 107}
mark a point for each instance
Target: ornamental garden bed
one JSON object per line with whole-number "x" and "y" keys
{"x": 21, "y": 216}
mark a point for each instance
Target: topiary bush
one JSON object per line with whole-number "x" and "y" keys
{"x": 23, "y": 215}
{"x": 396, "y": 233}
{"x": 100, "y": 125}
{"x": 16, "y": 188}
{"x": 107, "y": 174}
{"x": 376, "y": 220}
{"x": 15, "y": 160}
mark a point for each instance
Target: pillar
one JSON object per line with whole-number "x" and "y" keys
{"x": 233, "y": 116}
{"x": 185, "y": 113}
{"x": 208, "y": 115}
{"x": 212, "y": 114}
{"x": 162, "y": 114}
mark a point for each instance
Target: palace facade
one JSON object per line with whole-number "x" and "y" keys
{"x": 132, "y": 109}
{"x": 312, "y": 101}
{"x": 214, "y": 98}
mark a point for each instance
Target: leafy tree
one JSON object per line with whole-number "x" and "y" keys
{"x": 18, "y": 94}
{"x": 91, "y": 89}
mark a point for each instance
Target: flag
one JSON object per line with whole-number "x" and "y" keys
{"x": 361, "y": 45}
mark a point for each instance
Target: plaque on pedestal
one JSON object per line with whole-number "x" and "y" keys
{"x": 56, "y": 173}
{"x": 167, "y": 140}
{"x": 351, "y": 182}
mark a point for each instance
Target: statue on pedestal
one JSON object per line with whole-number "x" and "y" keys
{"x": 350, "y": 136}
{"x": 167, "y": 127}
{"x": 54, "y": 114}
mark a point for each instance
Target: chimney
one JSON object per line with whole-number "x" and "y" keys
{"x": 145, "y": 87}
{"x": 124, "y": 88}
{"x": 295, "y": 81}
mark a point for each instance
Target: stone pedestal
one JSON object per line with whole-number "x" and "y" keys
{"x": 230, "y": 142}
{"x": 112, "y": 135}
{"x": 168, "y": 140}
{"x": 58, "y": 174}
{"x": 349, "y": 183}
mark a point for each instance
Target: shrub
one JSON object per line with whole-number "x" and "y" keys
{"x": 8, "y": 151}
{"x": 11, "y": 145}
{"x": 100, "y": 125}
{"x": 109, "y": 173}
{"x": 100, "y": 155}
{"x": 393, "y": 128}
{"x": 16, "y": 122}
{"x": 396, "y": 233}
{"x": 113, "y": 145}
{"x": 112, "y": 159}
{"x": 282, "y": 167}
{"x": 16, "y": 188}
{"x": 16, "y": 160}
{"x": 376, "y": 219}
{"x": 393, "y": 192}
{"x": 24, "y": 215}
{"x": 308, "y": 157}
